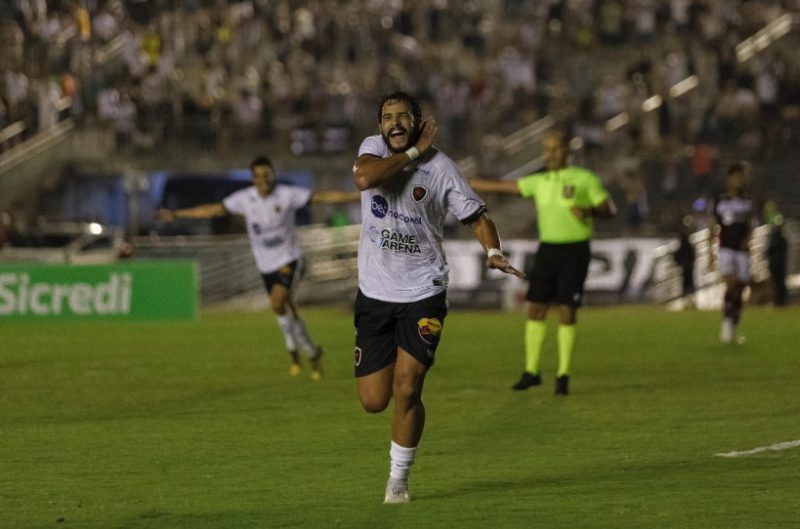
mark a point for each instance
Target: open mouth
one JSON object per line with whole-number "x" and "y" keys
{"x": 398, "y": 134}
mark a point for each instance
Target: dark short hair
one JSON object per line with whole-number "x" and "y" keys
{"x": 416, "y": 112}
{"x": 261, "y": 160}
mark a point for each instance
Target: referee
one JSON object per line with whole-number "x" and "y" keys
{"x": 567, "y": 198}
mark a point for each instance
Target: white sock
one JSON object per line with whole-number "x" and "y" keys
{"x": 302, "y": 337}
{"x": 286, "y": 323}
{"x": 401, "y": 460}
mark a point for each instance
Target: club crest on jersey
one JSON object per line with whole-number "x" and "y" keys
{"x": 429, "y": 329}
{"x": 357, "y": 356}
{"x": 418, "y": 193}
{"x": 568, "y": 191}
{"x": 277, "y": 208}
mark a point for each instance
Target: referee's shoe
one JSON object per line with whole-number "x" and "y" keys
{"x": 562, "y": 385}
{"x": 527, "y": 380}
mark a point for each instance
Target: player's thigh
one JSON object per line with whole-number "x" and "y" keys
{"x": 376, "y": 346}
{"x": 409, "y": 376}
{"x": 279, "y": 297}
{"x": 419, "y": 328}
{"x": 375, "y": 389}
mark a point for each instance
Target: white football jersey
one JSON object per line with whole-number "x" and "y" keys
{"x": 270, "y": 223}
{"x": 400, "y": 255}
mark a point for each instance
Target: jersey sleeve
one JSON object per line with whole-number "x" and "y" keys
{"x": 527, "y": 186}
{"x": 234, "y": 203}
{"x": 462, "y": 201}
{"x": 299, "y": 196}
{"x": 596, "y": 192}
{"x": 375, "y": 146}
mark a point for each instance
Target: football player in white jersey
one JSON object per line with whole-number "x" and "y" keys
{"x": 269, "y": 211}
{"x": 407, "y": 189}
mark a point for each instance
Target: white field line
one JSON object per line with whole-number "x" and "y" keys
{"x": 771, "y": 448}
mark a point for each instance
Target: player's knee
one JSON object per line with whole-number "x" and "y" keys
{"x": 374, "y": 403}
{"x": 278, "y": 307}
{"x": 406, "y": 388}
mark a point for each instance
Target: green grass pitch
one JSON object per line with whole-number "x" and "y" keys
{"x": 198, "y": 425}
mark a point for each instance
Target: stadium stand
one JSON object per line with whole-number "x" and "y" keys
{"x": 659, "y": 94}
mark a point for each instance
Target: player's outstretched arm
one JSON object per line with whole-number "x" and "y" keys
{"x": 486, "y": 233}
{"x": 335, "y": 197}
{"x": 371, "y": 171}
{"x": 203, "y": 211}
{"x": 507, "y": 187}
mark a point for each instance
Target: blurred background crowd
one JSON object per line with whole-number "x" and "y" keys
{"x": 659, "y": 93}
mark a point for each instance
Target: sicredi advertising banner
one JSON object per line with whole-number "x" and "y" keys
{"x": 147, "y": 290}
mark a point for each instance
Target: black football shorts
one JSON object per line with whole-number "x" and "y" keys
{"x": 282, "y": 276}
{"x": 382, "y": 327}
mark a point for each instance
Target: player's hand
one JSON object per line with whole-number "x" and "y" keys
{"x": 499, "y": 262}
{"x": 427, "y": 132}
{"x": 165, "y": 215}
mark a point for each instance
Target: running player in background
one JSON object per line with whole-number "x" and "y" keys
{"x": 567, "y": 198}
{"x": 408, "y": 187}
{"x": 269, "y": 211}
{"x": 731, "y": 223}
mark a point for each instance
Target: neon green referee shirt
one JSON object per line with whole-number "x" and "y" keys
{"x": 554, "y": 193}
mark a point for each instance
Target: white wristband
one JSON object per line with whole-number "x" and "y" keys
{"x": 491, "y": 252}
{"x": 413, "y": 153}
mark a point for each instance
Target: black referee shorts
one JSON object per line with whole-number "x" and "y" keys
{"x": 382, "y": 327}
{"x": 559, "y": 272}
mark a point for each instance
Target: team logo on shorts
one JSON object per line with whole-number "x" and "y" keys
{"x": 568, "y": 191}
{"x": 429, "y": 329}
{"x": 357, "y": 356}
{"x": 285, "y": 271}
{"x": 418, "y": 193}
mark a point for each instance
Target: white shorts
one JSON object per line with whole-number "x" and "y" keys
{"x": 735, "y": 263}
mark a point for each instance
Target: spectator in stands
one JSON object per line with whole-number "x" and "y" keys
{"x": 269, "y": 210}
{"x": 567, "y": 198}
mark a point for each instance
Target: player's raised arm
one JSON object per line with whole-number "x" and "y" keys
{"x": 486, "y": 233}
{"x": 397, "y": 127}
{"x": 506, "y": 187}
{"x": 335, "y": 197}
{"x": 203, "y": 211}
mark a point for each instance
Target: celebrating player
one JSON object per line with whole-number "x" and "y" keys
{"x": 269, "y": 211}
{"x": 407, "y": 189}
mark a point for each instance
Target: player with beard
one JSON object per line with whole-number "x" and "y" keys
{"x": 407, "y": 189}
{"x": 269, "y": 209}
{"x": 731, "y": 221}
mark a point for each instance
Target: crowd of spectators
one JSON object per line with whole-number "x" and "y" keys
{"x": 306, "y": 74}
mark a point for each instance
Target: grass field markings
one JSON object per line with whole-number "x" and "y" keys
{"x": 777, "y": 447}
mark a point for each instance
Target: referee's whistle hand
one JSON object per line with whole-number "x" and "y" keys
{"x": 501, "y": 263}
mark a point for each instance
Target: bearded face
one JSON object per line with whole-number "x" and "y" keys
{"x": 397, "y": 126}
